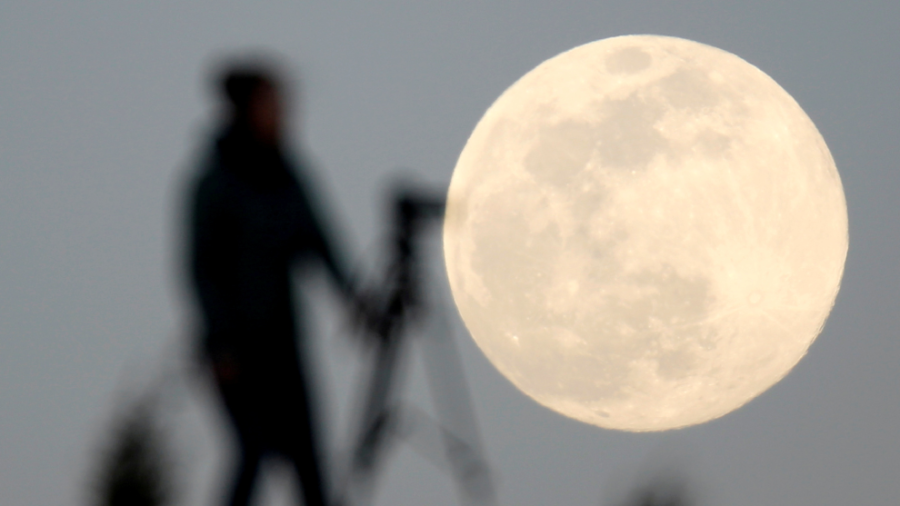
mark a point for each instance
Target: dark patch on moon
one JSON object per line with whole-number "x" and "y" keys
{"x": 713, "y": 144}
{"x": 627, "y": 135}
{"x": 561, "y": 152}
{"x": 630, "y": 60}
{"x": 689, "y": 88}
{"x": 672, "y": 306}
{"x": 629, "y": 330}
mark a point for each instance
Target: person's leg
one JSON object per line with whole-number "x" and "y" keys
{"x": 306, "y": 463}
{"x": 244, "y": 477}
{"x": 299, "y": 444}
{"x": 243, "y": 410}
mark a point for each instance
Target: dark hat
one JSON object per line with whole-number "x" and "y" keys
{"x": 239, "y": 80}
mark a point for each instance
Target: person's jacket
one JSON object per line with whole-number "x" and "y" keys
{"x": 253, "y": 220}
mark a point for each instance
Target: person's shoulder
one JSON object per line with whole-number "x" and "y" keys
{"x": 212, "y": 174}
{"x": 212, "y": 184}
{"x": 208, "y": 178}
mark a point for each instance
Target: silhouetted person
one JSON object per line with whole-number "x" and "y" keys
{"x": 253, "y": 222}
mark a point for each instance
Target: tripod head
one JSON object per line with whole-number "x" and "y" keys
{"x": 413, "y": 212}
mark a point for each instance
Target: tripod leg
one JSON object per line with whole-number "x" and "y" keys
{"x": 378, "y": 419}
{"x": 452, "y": 403}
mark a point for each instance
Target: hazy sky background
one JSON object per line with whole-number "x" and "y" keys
{"x": 103, "y": 106}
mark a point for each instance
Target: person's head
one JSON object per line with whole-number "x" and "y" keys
{"x": 252, "y": 94}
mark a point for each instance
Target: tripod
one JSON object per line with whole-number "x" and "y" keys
{"x": 382, "y": 415}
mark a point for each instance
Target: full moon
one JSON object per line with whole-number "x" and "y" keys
{"x": 645, "y": 233}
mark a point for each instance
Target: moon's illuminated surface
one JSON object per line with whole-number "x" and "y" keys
{"x": 645, "y": 233}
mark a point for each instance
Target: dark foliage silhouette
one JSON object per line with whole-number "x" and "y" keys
{"x": 135, "y": 468}
{"x": 669, "y": 490}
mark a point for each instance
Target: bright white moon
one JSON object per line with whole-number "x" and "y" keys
{"x": 645, "y": 233}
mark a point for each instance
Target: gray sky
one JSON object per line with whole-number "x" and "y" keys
{"x": 103, "y": 105}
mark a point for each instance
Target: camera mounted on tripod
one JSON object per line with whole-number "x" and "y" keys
{"x": 413, "y": 211}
